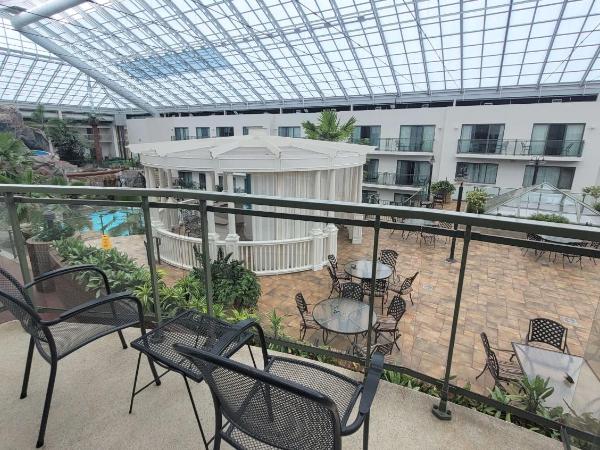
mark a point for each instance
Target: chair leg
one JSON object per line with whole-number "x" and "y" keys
{"x": 411, "y": 300}
{"x": 49, "y": 391}
{"x": 123, "y": 343}
{"x": 27, "y": 368}
{"x": 482, "y": 372}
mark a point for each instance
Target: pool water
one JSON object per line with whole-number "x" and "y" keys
{"x": 109, "y": 220}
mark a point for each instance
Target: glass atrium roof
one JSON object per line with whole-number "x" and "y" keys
{"x": 202, "y": 54}
{"x": 542, "y": 199}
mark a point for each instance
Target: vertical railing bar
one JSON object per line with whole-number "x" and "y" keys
{"x": 19, "y": 241}
{"x": 441, "y": 411}
{"x": 150, "y": 257}
{"x": 371, "y": 312}
{"x": 206, "y": 257}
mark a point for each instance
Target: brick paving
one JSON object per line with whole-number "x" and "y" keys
{"x": 503, "y": 289}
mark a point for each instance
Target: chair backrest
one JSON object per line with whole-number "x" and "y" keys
{"x": 333, "y": 276}
{"x": 266, "y": 407}
{"x": 533, "y": 237}
{"x": 397, "y": 308}
{"x": 353, "y": 291}
{"x": 439, "y": 196}
{"x": 490, "y": 357}
{"x": 381, "y": 287}
{"x": 389, "y": 257}
{"x": 14, "y": 298}
{"x": 408, "y": 282}
{"x": 333, "y": 261}
{"x": 301, "y": 304}
{"x": 547, "y": 331}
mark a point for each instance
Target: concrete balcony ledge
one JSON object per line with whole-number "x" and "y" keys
{"x": 524, "y": 158}
{"x": 91, "y": 400}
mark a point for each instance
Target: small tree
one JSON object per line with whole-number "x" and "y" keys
{"x": 38, "y": 117}
{"x": 328, "y": 127}
{"x": 476, "y": 201}
{"x": 594, "y": 191}
{"x": 68, "y": 143}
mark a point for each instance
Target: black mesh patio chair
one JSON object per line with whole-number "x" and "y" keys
{"x": 307, "y": 322}
{"x": 596, "y": 246}
{"x": 536, "y": 252}
{"x": 389, "y": 324}
{"x": 572, "y": 258}
{"x": 342, "y": 275}
{"x": 439, "y": 199}
{"x": 446, "y": 226}
{"x": 424, "y": 237}
{"x": 405, "y": 287}
{"x": 501, "y": 371}
{"x": 72, "y": 329}
{"x": 381, "y": 289}
{"x": 352, "y": 291}
{"x": 291, "y": 403}
{"x": 389, "y": 257}
{"x": 546, "y": 331}
{"x": 336, "y": 285}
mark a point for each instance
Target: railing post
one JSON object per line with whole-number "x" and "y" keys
{"x": 151, "y": 260}
{"x": 371, "y": 313}
{"x": 206, "y": 257}
{"x": 317, "y": 249}
{"x": 441, "y": 411}
{"x": 19, "y": 242}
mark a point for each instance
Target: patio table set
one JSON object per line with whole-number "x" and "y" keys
{"x": 566, "y": 256}
{"x": 247, "y": 400}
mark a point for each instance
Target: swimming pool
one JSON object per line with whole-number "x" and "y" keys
{"x": 116, "y": 222}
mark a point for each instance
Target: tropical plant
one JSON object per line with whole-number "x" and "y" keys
{"x": 276, "y": 323}
{"x": 592, "y": 191}
{"x": 532, "y": 394}
{"x": 557, "y": 218}
{"x": 52, "y": 231}
{"x": 328, "y": 127}
{"x": 233, "y": 284}
{"x": 38, "y": 117}
{"x": 69, "y": 145}
{"x": 442, "y": 187}
{"x": 15, "y": 158}
{"x": 476, "y": 201}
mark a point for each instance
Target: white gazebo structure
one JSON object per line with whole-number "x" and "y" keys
{"x": 264, "y": 165}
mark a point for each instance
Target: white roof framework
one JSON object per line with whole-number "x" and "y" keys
{"x": 207, "y": 54}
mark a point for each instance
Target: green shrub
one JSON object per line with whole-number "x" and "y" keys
{"x": 597, "y": 206}
{"x": 557, "y": 218}
{"x": 442, "y": 187}
{"x": 476, "y": 201}
{"x": 54, "y": 231}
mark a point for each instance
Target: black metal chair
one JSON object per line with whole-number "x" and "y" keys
{"x": 353, "y": 291}
{"x": 291, "y": 403}
{"x": 536, "y": 252}
{"x": 439, "y": 198}
{"x": 381, "y": 289}
{"x": 342, "y": 275}
{"x": 406, "y": 287}
{"x": 572, "y": 258}
{"x": 307, "y": 323}
{"x": 336, "y": 286}
{"x": 389, "y": 323}
{"x": 501, "y": 371}
{"x": 72, "y": 329}
{"x": 389, "y": 257}
{"x": 547, "y": 331}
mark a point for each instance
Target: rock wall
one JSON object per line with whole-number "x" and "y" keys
{"x": 11, "y": 120}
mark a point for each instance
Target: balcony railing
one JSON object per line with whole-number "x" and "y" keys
{"x": 396, "y": 179}
{"x": 187, "y": 138}
{"x": 520, "y": 147}
{"x": 469, "y": 230}
{"x": 405, "y": 145}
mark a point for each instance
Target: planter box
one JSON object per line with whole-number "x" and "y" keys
{"x": 41, "y": 262}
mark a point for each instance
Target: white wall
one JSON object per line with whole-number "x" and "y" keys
{"x": 518, "y": 120}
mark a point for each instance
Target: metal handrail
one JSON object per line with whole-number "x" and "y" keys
{"x": 150, "y": 198}
{"x": 522, "y": 147}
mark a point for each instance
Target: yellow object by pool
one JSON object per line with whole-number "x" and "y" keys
{"x": 105, "y": 242}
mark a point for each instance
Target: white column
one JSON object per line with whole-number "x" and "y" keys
{"x": 213, "y": 237}
{"x": 232, "y": 239}
{"x": 317, "y": 249}
{"x": 357, "y": 196}
{"x": 331, "y": 229}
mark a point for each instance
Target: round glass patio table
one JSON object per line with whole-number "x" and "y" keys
{"x": 560, "y": 240}
{"x": 343, "y": 316}
{"x": 363, "y": 268}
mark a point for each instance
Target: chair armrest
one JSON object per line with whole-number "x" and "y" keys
{"x": 94, "y": 304}
{"x": 67, "y": 270}
{"x": 368, "y": 394}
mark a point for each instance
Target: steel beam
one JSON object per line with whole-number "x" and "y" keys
{"x": 556, "y": 26}
{"x": 43, "y": 11}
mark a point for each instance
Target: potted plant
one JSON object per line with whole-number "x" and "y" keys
{"x": 443, "y": 187}
{"x": 476, "y": 201}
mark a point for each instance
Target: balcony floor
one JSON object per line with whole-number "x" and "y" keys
{"x": 91, "y": 399}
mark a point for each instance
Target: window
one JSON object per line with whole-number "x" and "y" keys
{"x": 289, "y": 132}
{"x": 186, "y": 180}
{"x": 481, "y": 138}
{"x": 224, "y": 131}
{"x": 477, "y": 172}
{"x": 560, "y": 177}
{"x": 557, "y": 139}
{"x": 412, "y": 173}
{"x": 370, "y": 171}
{"x": 202, "y": 132}
{"x": 244, "y": 131}
{"x": 416, "y": 138}
{"x": 368, "y": 135}
{"x": 182, "y": 133}
{"x": 370, "y": 196}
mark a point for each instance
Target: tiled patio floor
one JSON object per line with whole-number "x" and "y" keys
{"x": 503, "y": 289}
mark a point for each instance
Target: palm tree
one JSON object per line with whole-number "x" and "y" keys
{"x": 328, "y": 127}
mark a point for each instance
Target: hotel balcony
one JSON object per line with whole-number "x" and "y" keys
{"x": 520, "y": 149}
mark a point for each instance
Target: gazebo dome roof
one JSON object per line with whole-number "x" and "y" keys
{"x": 256, "y": 152}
